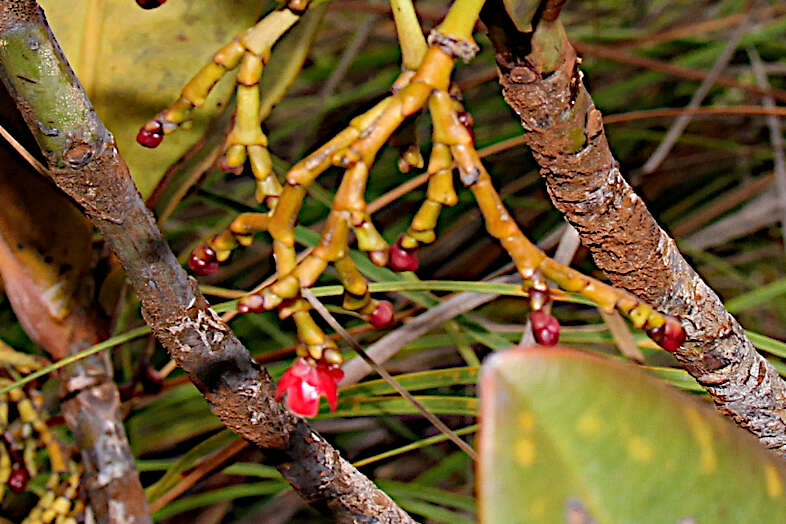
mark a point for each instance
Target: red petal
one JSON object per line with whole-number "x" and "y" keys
{"x": 287, "y": 381}
{"x": 303, "y": 400}
{"x": 327, "y": 385}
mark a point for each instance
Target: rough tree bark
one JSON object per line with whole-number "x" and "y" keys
{"x": 541, "y": 80}
{"x": 84, "y": 162}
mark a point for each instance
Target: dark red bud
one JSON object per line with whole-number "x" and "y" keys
{"x": 545, "y": 328}
{"x": 203, "y": 260}
{"x": 150, "y": 137}
{"x": 669, "y": 336}
{"x": 251, "y": 304}
{"x": 383, "y": 315}
{"x": 18, "y": 479}
{"x": 150, "y": 4}
{"x": 402, "y": 259}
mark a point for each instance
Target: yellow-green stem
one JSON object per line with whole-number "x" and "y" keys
{"x": 461, "y": 18}
{"x": 410, "y": 34}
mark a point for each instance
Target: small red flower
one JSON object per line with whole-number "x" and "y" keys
{"x": 304, "y": 384}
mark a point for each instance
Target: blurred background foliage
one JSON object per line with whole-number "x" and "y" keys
{"x": 721, "y": 169}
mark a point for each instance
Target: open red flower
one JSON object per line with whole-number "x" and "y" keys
{"x": 304, "y": 384}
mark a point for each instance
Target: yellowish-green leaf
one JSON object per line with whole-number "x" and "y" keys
{"x": 567, "y": 435}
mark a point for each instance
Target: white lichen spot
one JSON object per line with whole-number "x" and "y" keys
{"x": 255, "y": 417}
{"x": 118, "y": 512}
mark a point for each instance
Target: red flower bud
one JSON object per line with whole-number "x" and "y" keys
{"x": 545, "y": 328}
{"x": 402, "y": 259}
{"x": 669, "y": 336}
{"x": 150, "y": 137}
{"x": 304, "y": 384}
{"x": 383, "y": 315}
{"x": 203, "y": 260}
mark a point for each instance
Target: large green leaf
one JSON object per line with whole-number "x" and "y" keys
{"x": 134, "y": 62}
{"x": 565, "y": 434}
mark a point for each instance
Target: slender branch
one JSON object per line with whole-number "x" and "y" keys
{"x": 84, "y": 162}
{"x": 541, "y": 81}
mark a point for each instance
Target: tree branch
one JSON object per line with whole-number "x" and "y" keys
{"x": 540, "y": 77}
{"x": 84, "y": 162}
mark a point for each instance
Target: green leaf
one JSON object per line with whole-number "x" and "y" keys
{"x": 565, "y": 434}
{"x": 133, "y": 64}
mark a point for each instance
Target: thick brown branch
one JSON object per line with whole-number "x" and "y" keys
{"x": 85, "y": 163}
{"x": 541, "y": 81}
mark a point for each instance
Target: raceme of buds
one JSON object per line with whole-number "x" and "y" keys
{"x": 670, "y": 335}
{"x": 545, "y": 328}
{"x": 304, "y": 384}
{"x": 203, "y": 260}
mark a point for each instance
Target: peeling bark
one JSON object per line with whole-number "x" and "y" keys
{"x": 540, "y": 78}
{"x": 84, "y": 162}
